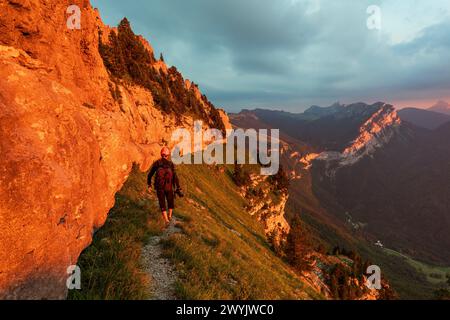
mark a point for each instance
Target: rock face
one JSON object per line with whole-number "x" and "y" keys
{"x": 268, "y": 208}
{"x": 66, "y": 145}
{"x": 375, "y": 133}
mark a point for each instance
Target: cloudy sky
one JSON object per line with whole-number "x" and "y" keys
{"x": 291, "y": 54}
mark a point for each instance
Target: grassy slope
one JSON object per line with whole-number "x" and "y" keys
{"x": 222, "y": 252}
{"x": 110, "y": 267}
{"x": 436, "y": 275}
{"x": 407, "y": 281}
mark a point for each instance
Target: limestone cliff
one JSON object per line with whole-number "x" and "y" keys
{"x": 67, "y": 144}
{"x": 268, "y": 206}
{"x": 375, "y": 133}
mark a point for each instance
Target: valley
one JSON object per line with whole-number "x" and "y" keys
{"x": 435, "y": 274}
{"x": 372, "y": 190}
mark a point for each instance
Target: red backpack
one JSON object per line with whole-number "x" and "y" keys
{"x": 164, "y": 176}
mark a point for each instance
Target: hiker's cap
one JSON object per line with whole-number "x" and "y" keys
{"x": 165, "y": 152}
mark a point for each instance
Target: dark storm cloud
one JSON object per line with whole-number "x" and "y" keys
{"x": 291, "y": 53}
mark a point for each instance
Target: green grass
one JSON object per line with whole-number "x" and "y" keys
{"x": 110, "y": 266}
{"x": 409, "y": 282}
{"x": 434, "y": 274}
{"x": 221, "y": 252}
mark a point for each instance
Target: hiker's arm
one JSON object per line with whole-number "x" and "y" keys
{"x": 150, "y": 175}
{"x": 175, "y": 181}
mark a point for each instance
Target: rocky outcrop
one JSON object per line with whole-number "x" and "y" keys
{"x": 375, "y": 133}
{"x": 225, "y": 120}
{"x": 319, "y": 276}
{"x": 268, "y": 207}
{"x": 67, "y": 145}
{"x": 308, "y": 159}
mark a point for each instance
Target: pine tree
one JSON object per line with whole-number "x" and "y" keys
{"x": 240, "y": 177}
{"x": 281, "y": 180}
{"x": 298, "y": 246}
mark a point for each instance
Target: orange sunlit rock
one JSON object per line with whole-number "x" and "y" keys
{"x": 66, "y": 145}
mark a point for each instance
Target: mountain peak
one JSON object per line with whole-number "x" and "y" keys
{"x": 422, "y": 118}
{"x": 441, "y": 106}
{"x": 374, "y": 133}
{"x": 321, "y": 111}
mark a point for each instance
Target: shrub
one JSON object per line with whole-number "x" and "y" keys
{"x": 297, "y": 246}
{"x": 240, "y": 176}
{"x": 280, "y": 180}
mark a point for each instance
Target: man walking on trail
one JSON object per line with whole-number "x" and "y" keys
{"x": 165, "y": 181}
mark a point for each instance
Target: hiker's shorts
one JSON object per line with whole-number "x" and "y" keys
{"x": 162, "y": 196}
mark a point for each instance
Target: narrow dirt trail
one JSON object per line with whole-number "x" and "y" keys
{"x": 160, "y": 270}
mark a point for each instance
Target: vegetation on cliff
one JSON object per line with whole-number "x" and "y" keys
{"x": 444, "y": 293}
{"x": 127, "y": 59}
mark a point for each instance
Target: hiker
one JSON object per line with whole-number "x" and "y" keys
{"x": 165, "y": 181}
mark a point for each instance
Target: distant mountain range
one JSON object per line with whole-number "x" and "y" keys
{"x": 321, "y": 128}
{"x": 431, "y": 118}
{"x": 442, "y": 107}
{"x": 364, "y": 173}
